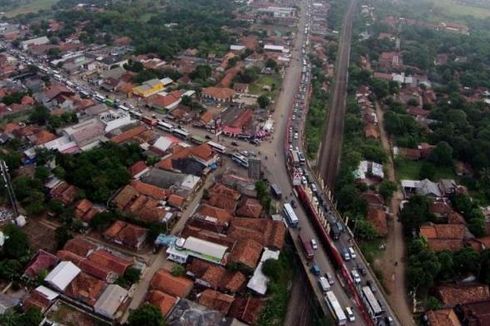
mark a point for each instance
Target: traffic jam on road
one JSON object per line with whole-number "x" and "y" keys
{"x": 307, "y": 189}
{"x": 353, "y": 268}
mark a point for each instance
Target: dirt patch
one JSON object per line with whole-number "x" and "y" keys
{"x": 41, "y": 234}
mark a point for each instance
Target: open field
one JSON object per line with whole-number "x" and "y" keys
{"x": 406, "y": 169}
{"x": 452, "y": 8}
{"x": 33, "y": 6}
{"x": 274, "y": 81}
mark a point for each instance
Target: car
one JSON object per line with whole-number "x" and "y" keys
{"x": 352, "y": 252}
{"x": 324, "y": 285}
{"x": 290, "y": 147}
{"x": 315, "y": 269}
{"x": 255, "y": 141}
{"x": 389, "y": 320}
{"x": 355, "y": 276}
{"x": 234, "y": 143}
{"x": 208, "y": 137}
{"x": 303, "y": 180}
{"x": 330, "y": 278}
{"x": 293, "y": 203}
{"x": 345, "y": 254}
{"x": 313, "y": 187}
{"x": 314, "y": 244}
{"x": 350, "y": 314}
{"x": 296, "y": 136}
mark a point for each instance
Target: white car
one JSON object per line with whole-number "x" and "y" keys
{"x": 296, "y": 135}
{"x": 356, "y": 276}
{"x": 303, "y": 180}
{"x": 352, "y": 252}
{"x": 314, "y": 245}
{"x": 350, "y": 314}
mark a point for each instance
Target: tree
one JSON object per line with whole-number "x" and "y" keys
{"x": 442, "y": 154}
{"x": 147, "y": 315}
{"x": 62, "y": 235}
{"x": 272, "y": 268}
{"x": 386, "y": 189}
{"x": 39, "y": 115}
{"x": 16, "y": 245}
{"x": 271, "y": 63}
{"x": 178, "y": 270}
{"x": 186, "y": 100}
{"x": 365, "y": 230}
{"x": 202, "y": 72}
{"x": 263, "y": 101}
{"x": 467, "y": 261}
{"x": 415, "y": 213}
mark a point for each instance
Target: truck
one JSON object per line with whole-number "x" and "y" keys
{"x": 306, "y": 245}
{"x": 276, "y": 191}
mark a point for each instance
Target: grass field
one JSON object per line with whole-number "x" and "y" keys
{"x": 452, "y": 8}
{"x": 406, "y": 169}
{"x": 33, "y": 6}
{"x": 266, "y": 80}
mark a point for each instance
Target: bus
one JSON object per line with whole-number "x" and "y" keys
{"x": 371, "y": 302}
{"x": 335, "y": 308}
{"x": 295, "y": 158}
{"x": 198, "y": 140}
{"x": 240, "y": 159}
{"x": 217, "y": 147}
{"x": 109, "y": 102}
{"x": 99, "y": 97}
{"x": 136, "y": 114}
{"x": 276, "y": 191}
{"x": 306, "y": 244}
{"x": 290, "y": 215}
{"x": 122, "y": 107}
{"x": 165, "y": 126}
{"x": 180, "y": 133}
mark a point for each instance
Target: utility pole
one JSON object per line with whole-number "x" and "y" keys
{"x": 4, "y": 170}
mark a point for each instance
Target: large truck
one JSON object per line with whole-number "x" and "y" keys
{"x": 306, "y": 244}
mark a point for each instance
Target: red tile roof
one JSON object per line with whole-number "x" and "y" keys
{"x": 218, "y": 93}
{"x": 442, "y": 317}
{"x": 129, "y": 134}
{"x": 176, "y": 201}
{"x": 443, "y": 236}
{"x": 80, "y": 246}
{"x": 246, "y": 252}
{"x": 173, "y": 285}
{"x": 114, "y": 263}
{"x": 147, "y": 189}
{"x": 85, "y": 288}
{"x": 162, "y": 301}
{"x": 221, "y": 215}
{"x": 85, "y": 210}
{"x": 247, "y": 309}
{"x": 43, "y": 261}
{"x": 216, "y": 300}
{"x": 250, "y": 207}
{"x": 127, "y": 234}
{"x": 137, "y": 168}
{"x": 451, "y": 295}
{"x": 266, "y": 232}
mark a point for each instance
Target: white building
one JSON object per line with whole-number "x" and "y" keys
{"x": 115, "y": 119}
{"x": 258, "y": 282}
{"x": 62, "y": 275}
{"x": 34, "y": 41}
{"x": 110, "y": 301}
{"x": 197, "y": 248}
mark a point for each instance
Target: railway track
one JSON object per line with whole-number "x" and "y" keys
{"x": 331, "y": 147}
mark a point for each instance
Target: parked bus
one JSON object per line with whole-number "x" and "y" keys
{"x": 240, "y": 159}
{"x": 198, "y": 140}
{"x": 371, "y": 302}
{"x": 165, "y": 126}
{"x": 180, "y": 133}
{"x": 290, "y": 215}
{"x": 335, "y": 308}
{"x": 124, "y": 108}
{"x": 306, "y": 244}
{"x": 217, "y": 147}
{"x": 99, "y": 97}
{"x": 276, "y": 191}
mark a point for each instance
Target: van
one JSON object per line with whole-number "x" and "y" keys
{"x": 330, "y": 278}
{"x": 352, "y": 253}
{"x": 314, "y": 245}
{"x": 324, "y": 285}
{"x": 350, "y": 314}
{"x": 355, "y": 276}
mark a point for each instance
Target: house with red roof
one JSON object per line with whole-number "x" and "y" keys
{"x": 126, "y": 234}
{"x": 218, "y": 94}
